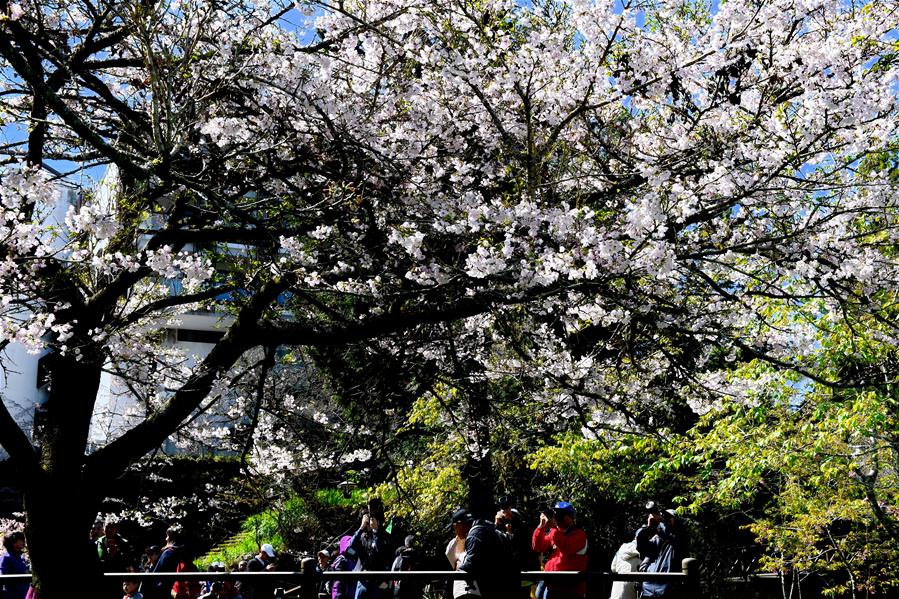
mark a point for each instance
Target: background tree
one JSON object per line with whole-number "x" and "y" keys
{"x": 811, "y": 467}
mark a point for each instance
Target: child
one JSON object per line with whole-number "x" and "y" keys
{"x": 130, "y": 589}
{"x": 216, "y": 590}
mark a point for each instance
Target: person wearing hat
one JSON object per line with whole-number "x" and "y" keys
{"x": 566, "y": 543}
{"x": 263, "y": 562}
{"x": 510, "y": 521}
{"x": 661, "y": 543}
{"x": 344, "y": 562}
{"x": 407, "y": 559}
{"x": 460, "y": 523}
{"x": 323, "y": 564}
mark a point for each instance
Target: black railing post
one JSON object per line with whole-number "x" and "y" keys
{"x": 690, "y": 568}
{"x": 310, "y": 578}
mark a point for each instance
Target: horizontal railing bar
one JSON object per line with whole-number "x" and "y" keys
{"x": 537, "y": 574}
{"x": 379, "y": 575}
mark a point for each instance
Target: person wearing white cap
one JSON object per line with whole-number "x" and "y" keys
{"x": 264, "y": 561}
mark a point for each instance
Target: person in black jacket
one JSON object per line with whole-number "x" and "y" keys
{"x": 488, "y": 558}
{"x": 263, "y": 562}
{"x": 524, "y": 559}
{"x": 374, "y": 547}
{"x": 407, "y": 559}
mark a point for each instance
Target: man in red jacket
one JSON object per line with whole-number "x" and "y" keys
{"x": 566, "y": 544}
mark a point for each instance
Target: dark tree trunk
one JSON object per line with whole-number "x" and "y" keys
{"x": 478, "y": 476}
{"x": 478, "y": 470}
{"x": 60, "y": 504}
{"x": 58, "y": 517}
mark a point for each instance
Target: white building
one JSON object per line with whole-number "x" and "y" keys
{"x": 21, "y": 387}
{"x": 23, "y": 384}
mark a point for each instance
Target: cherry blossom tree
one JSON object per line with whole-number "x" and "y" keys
{"x": 608, "y": 196}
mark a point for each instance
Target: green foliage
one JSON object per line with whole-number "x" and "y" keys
{"x": 814, "y": 469}
{"x": 426, "y": 490}
{"x": 331, "y": 498}
{"x": 289, "y": 525}
{"x": 439, "y": 431}
{"x": 610, "y": 467}
{"x": 268, "y": 526}
{"x": 698, "y": 12}
{"x": 231, "y": 551}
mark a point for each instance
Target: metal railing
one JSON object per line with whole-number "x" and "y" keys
{"x": 308, "y": 581}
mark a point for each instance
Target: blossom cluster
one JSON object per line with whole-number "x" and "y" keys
{"x": 642, "y": 189}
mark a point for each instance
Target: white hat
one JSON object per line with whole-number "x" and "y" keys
{"x": 268, "y": 549}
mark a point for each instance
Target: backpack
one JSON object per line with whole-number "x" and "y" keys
{"x": 404, "y": 562}
{"x": 506, "y": 552}
{"x": 343, "y": 589}
{"x": 401, "y": 563}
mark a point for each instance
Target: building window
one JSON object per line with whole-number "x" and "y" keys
{"x": 195, "y": 336}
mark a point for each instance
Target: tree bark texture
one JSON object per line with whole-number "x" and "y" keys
{"x": 60, "y": 503}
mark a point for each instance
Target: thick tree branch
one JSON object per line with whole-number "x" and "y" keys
{"x": 111, "y": 460}
{"x": 289, "y": 333}
{"x": 175, "y": 300}
{"x": 16, "y": 443}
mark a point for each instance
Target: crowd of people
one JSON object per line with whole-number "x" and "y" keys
{"x": 116, "y": 554}
{"x": 493, "y": 552}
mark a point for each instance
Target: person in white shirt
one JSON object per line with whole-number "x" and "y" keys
{"x": 627, "y": 559}
{"x": 455, "y": 549}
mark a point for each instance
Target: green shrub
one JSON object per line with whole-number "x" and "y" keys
{"x": 336, "y": 498}
{"x": 286, "y": 524}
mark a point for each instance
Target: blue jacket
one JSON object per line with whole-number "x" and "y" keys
{"x": 13, "y": 564}
{"x": 665, "y": 545}
{"x": 167, "y": 562}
